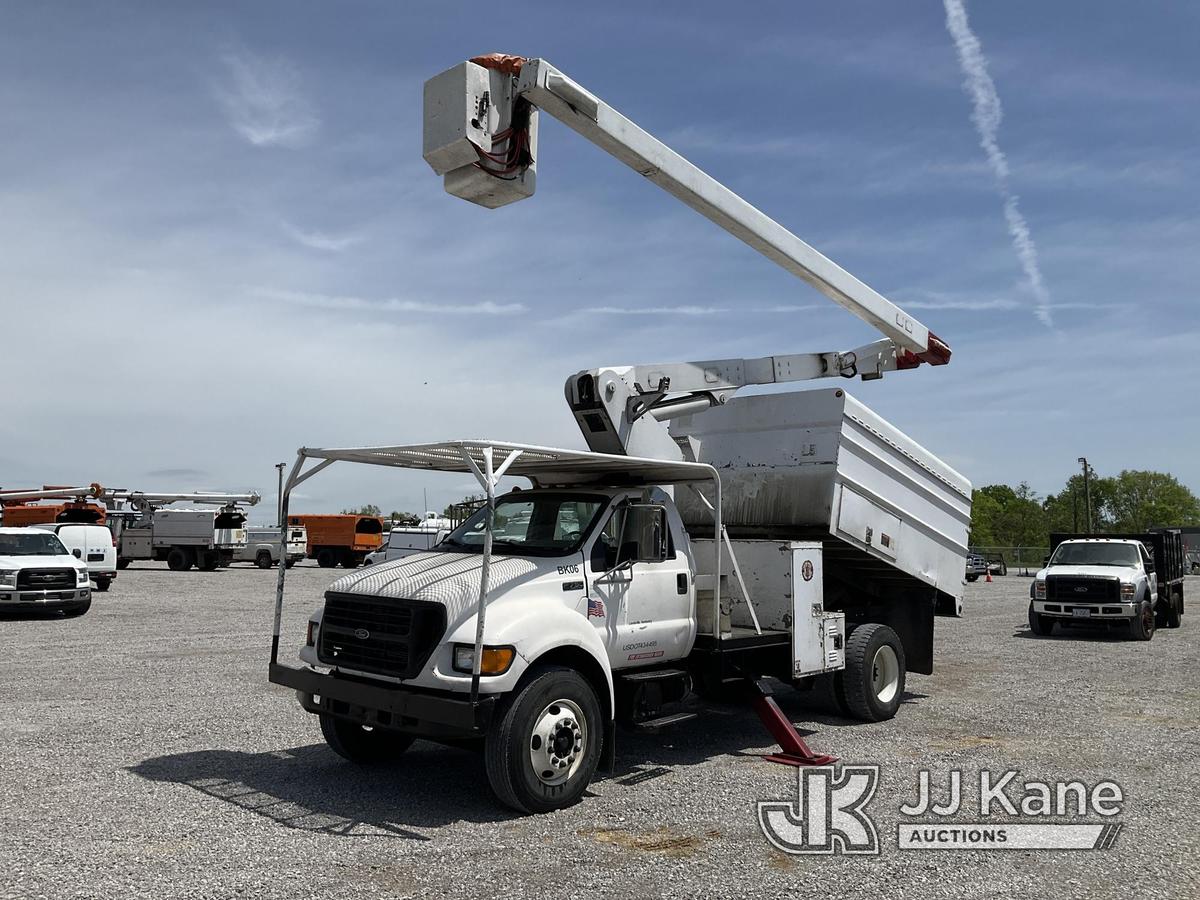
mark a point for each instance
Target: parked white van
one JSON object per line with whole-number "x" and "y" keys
{"x": 93, "y": 544}
{"x": 38, "y": 572}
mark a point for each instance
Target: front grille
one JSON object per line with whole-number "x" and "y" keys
{"x": 381, "y": 635}
{"x": 45, "y": 579}
{"x": 1069, "y": 588}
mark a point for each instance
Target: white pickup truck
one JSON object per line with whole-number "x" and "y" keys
{"x": 1110, "y": 580}
{"x": 37, "y": 572}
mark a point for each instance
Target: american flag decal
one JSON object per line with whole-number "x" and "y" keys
{"x": 595, "y": 608}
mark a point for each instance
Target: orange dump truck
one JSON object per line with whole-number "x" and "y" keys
{"x": 344, "y": 539}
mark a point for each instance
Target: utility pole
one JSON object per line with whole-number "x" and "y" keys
{"x": 1087, "y": 493}
{"x": 279, "y": 467}
{"x": 1074, "y": 511}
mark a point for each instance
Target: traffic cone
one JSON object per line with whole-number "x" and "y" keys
{"x": 989, "y": 577}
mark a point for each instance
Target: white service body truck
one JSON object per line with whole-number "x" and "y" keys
{"x": 37, "y": 572}
{"x": 262, "y": 546}
{"x": 204, "y": 538}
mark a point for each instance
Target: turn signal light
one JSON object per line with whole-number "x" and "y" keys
{"x": 495, "y": 661}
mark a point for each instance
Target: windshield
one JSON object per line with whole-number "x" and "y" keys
{"x": 531, "y": 524}
{"x": 1097, "y": 554}
{"x": 35, "y": 543}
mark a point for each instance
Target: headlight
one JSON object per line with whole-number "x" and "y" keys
{"x": 496, "y": 660}
{"x": 1039, "y": 590}
{"x": 1128, "y": 591}
{"x": 8, "y": 578}
{"x": 82, "y": 576}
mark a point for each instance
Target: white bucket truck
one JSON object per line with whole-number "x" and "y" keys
{"x": 703, "y": 539}
{"x": 205, "y": 538}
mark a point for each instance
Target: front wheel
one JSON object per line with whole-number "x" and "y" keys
{"x": 873, "y": 680}
{"x": 77, "y": 609}
{"x": 1141, "y": 626}
{"x": 543, "y": 749}
{"x": 361, "y": 744}
{"x": 1039, "y": 624}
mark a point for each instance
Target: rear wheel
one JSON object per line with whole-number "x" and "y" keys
{"x": 207, "y": 560}
{"x": 179, "y": 560}
{"x": 972, "y": 578}
{"x": 875, "y": 669}
{"x": 1175, "y": 609}
{"x": 361, "y": 744}
{"x": 1141, "y": 626}
{"x": 350, "y": 560}
{"x": 326, "y": 558}
{"x": 263, "y": 560}
{"x": 103, "y": 583}
{"x": 543, "y": 749}
{"x": 290, "y": 563}
{"x": 122, "y": 562}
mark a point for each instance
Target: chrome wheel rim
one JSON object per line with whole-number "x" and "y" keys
{"x": 558, "y": 742}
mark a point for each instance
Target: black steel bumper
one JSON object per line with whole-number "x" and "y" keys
{"x": 404, "y": 709}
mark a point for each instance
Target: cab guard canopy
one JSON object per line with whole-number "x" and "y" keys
{"x": 489, "y": 461}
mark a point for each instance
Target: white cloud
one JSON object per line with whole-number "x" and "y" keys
{"x": 263, "y": 101}
{"x": 319, "y": 240}
{"x": 387, "y": 305}
{"x": 987, "y": 115}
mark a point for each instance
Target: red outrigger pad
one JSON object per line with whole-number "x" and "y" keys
{"x": 795, "y": 752}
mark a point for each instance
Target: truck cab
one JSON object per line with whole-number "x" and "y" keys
{"x": 37, "y": 572}
{"x": 1109, "y": 580}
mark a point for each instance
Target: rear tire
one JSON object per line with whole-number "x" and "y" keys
{"x": 365, "y": 746}
{"x": 208, "y": 560}
{"x": 1141, "y": 626}
{"x": 179, "y": 560}
{"x": 102, "y": 584}
{"x": 263, "y": 560}
{"x": 972, "y": 578}
{"x": 326, "y": 558}
{"x": 1038, "y": 623}
{"x": 875, "y": 671}
{"x": 289, "y": 563}
{"x": 122, "y": 562}
{"x": 542, "y": 750}
{"x": 350, "y": 561}
{"x": 1175, "y": 610}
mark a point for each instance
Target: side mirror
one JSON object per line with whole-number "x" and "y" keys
{"x": 78, "y": 554}
{"x": 644, "y": 536}
{"x": 1045, "y": 560}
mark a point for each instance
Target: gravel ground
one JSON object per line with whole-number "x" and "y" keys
{"x": 144, "y": 754}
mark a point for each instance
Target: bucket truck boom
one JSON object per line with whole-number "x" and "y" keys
{"x": 481, "y": 135}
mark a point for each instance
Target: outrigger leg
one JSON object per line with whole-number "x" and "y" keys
{"x": 795, "y": 752}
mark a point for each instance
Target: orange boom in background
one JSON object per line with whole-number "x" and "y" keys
{"x": 345, "y": 539}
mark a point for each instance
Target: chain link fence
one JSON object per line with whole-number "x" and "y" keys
{"x": 1014, "y": 560}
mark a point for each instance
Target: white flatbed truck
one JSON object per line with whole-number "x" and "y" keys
{"x": 702, "y": 540}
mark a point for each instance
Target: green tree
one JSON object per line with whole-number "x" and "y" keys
{"x": 405, "y": 518}
{"x": 369, "y": 509}
{"x": 1067, "y": 510}
{"x": 1010, "y": 517}
{"x": 1143, "y": 500}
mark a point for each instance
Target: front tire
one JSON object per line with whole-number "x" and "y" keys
{"x": 543, "y": 749}
{"x": 1141, "y": 626}
{"x": 1038, "y": 623}
{"x": 358, "y": 744}
{"x": 875, "y": 671}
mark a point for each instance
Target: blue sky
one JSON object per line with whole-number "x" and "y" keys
{"x": 219, "y": 240}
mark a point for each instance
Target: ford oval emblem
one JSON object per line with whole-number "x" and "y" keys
{"x": 361, "y": 633}
{"x": 1081, "y": 590}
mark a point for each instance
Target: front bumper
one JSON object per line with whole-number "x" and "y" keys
{"x": 432, "y": 714}
{"x": 1094, "y": 609}
{"x": 26, "y": 599}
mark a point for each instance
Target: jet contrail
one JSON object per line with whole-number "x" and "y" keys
{"x": 986, "y": 116}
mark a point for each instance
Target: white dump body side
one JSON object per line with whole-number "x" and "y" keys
{"x": 819, "y": 462}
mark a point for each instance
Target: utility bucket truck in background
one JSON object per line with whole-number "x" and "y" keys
{"x": 702, "y": 541}
{"x": 204, "y": 538}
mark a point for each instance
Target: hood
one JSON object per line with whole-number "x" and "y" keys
{"x": 60, "y": 561}
{"x": 1126, "y": 573}
{"x": 451, "y": 579}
